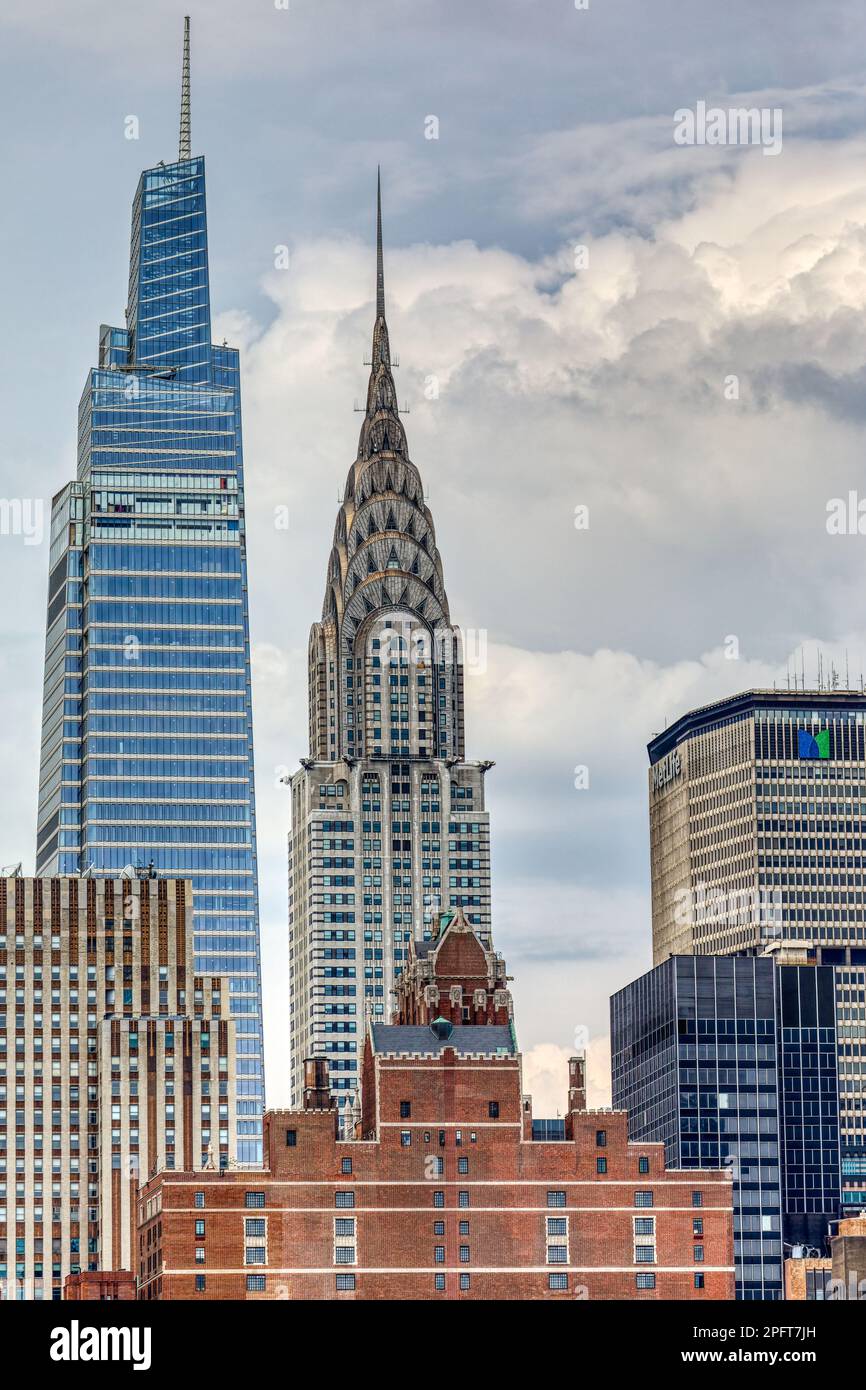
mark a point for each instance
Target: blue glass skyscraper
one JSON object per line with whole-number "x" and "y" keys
{"x": 147, "y": 743}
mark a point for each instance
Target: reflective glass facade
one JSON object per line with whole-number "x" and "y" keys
{"x": 147, "y": 746}
{"x": 713, "y": 1057}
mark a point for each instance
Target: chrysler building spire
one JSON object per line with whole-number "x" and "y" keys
{"x": 386, "y": 788}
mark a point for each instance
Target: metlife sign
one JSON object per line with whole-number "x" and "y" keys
{"x": 666, "y": 771}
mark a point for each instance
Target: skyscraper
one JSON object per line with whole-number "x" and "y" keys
{"x": 115, "y": 1062}
{"x": 388, "y": 818}
{"x": 758, "y": 843}
{"x": 732, "y": 1061}
{"x": 147, "y": 745}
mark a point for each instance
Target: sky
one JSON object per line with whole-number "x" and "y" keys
{"x": 634, "y": 371}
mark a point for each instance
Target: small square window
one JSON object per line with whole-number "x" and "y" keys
{"x": 644, "y": 1225}
{"x": 556, "y": 1199}
{"x": 645, "y": 1281}
{"x": 557, "y": 1254}
{"x": 254, "y": 1199}
{"x": 557, "y": 1281}
{"x": 344, "y": 1225}
{"x": 439, "y": 1282}
{"x": 464, "y": 1283}
{"x": 345, "y": 1283}
{"x": 557, "y": 1226}
{"x": 256, "y": 1283}
{"x": 493, "y": 1109}
{"x": 643, "y": 1199}
{"x": 344, "y": 1199}
{"x": 344, "y": 1255}
{"x": 644, "y": 1254}
{"x": 254, "y": 1255}
{"x": 291, "y": 1138}
{"x": 254, "y": 1226}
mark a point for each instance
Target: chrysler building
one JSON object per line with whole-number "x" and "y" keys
{"x": 389, "y": 828}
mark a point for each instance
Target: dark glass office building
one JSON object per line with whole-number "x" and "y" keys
{"x": 731, "y": 1061}
{"x": 147, "y": 744}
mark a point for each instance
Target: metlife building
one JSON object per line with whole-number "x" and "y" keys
{"x": 757, "y": 846}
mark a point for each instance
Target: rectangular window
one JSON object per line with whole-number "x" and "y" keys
{"x": 643, "y": 1199}
{"x": 493, "y": 1109}
{"x": 643, "y": 1164}
{"x": 438, "y": 1199}
{"x": 697, "y": 1199}
{"x": 254, "y": 1226}
{"x": 199, "y": 1199}
{"x": 644, "y": 1225}
{"x": 601, "y": 1138}
{"x": 344, "y": 1255}
{"x": 464, "y": 1254}
{"x": 645, "y": 1281}
{"x": 439, "y": 1282}
{"x": 557, "y": 1281}
{"x": 699, "y": 1281}
{"x": 344, "y": 1199}
{"x": 464, "y": 1283}
{"x": 557, "y": 1254}
{"x": 200, "y": 1283}
{"x": 254, "y": 1255}
{"x": 344, "y": 1226}
{"x": 464, "y": 1228}
{"x": 601, "y": 1165}
{"x": 256, "y": 1283}
{"x": 698, "y": 1226}
{"x": 439, "y": 1255}
{"x": 463, "y": 1165}
{"x": 291, "y": 1138}
{"x": 345, "y": 1283}
{"x": 557, "y": 1226}
{"x": 199, "y": 1228}
{"x": 405, "y": 1138}
{"x": 199, "y": 1255}
{"x": 438, "y": 1228}
{"x": 556, "y": 1199}
{"x": 463, "y": 1199}
{"x": 254, "y": 1199}
{"x": 644, "y": 1254}
{"x": 345, "y": 1165}
{"x": 405, "y": 1109}
{"x": 699, "y": 1254}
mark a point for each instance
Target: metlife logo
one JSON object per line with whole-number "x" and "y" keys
{"x": 667, "y": 771}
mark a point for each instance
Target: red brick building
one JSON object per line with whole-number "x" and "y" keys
{"x": 100, "y": 1286}
{"x": 441, "y": 1191}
